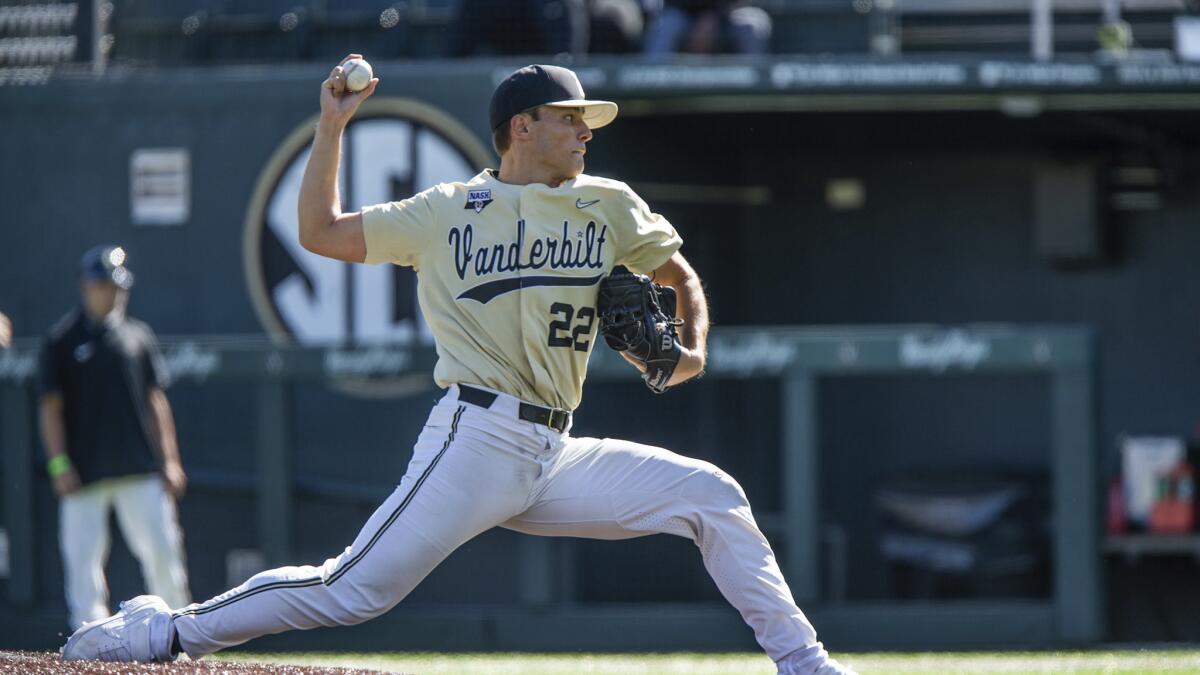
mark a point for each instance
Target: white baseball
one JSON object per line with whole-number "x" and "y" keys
{"x": 357, "y": 73}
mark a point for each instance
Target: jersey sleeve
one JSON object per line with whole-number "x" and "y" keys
{"x": 397, "y": 232}
{"x": 50, "y": 372}
{"x": 646, "y": 239}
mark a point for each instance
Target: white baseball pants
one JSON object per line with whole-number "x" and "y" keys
{"x": 150, "y": 525}
{"x": 475, "y": 468}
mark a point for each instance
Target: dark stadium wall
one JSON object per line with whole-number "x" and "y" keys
{"x": 944, "y": 236}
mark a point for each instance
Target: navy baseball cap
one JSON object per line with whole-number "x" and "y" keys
{"x": 106, "y": 263}
{"x": 555, "y": 86}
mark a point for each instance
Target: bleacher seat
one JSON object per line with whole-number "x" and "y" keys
{"x": 41, "y": 19}
{"x": 260, "y": 30}
{"x": 226, "y": 31}
{"x": 168, "y": 33}
{"x": 232, "y": 31}
{"x": 385, "y": 28}
{"x": 38, "y": 34}
{"x": 1004, "y": 26}
{"x": 899, "y": 27}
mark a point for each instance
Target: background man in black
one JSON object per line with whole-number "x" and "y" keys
{"x": 110, "y": 441}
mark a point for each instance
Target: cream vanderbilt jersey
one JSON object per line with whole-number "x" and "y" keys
{"x": 508, "y": 274}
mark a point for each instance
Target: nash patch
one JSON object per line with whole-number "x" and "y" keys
{"x": 478, "y": 199}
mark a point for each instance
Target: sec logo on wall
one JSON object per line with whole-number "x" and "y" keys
{"x": 391, "y": 150}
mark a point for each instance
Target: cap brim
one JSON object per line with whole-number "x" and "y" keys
{"x": 595, "y": 113}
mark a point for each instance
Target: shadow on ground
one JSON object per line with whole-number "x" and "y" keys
{"x": 50, "y": 663}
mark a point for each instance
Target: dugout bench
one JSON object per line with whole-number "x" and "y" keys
{"x": 800, "y": 357}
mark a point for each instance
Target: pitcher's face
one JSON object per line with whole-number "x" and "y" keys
{"x": 560, "y": 139}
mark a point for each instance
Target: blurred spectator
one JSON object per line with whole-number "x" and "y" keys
{"x": 520, "y": 27}
{"x": 707, "y": 27}
{"x": 5, "y": 331}
{"x": 110, "y": 441}
{"x": 616, "y": 28}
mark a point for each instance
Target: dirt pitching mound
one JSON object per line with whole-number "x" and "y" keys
{"x": 50, "y": 663}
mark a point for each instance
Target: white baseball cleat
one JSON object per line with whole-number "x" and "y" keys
{"x": 827, "y": 667}
{"x": 812, "y": 660}
{"x": 832, "y": 667}
{"x": 140, "y": 632}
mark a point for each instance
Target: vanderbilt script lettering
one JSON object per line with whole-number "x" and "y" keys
{"x": 556, "y": 253}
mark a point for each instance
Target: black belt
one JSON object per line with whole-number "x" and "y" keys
{"x": 555, "y": 418}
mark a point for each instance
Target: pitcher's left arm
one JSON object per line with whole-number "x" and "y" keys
{"x": 692, "y": 308}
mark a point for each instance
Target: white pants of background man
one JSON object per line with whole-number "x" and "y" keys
{"x": 475, "y": 468}
{"x": 146, "y": 514}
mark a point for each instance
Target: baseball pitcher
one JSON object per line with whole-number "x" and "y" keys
{"x": 515, "y": 270}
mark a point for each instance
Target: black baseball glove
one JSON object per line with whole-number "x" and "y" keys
{"x": 637, "y": 316}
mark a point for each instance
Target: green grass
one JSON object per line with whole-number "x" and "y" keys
{"x": 1130, "y": 661}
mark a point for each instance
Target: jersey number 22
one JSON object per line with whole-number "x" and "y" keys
{"x": 577, "y": 336}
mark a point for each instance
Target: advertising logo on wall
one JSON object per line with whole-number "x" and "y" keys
{"x": 391, "y": 150}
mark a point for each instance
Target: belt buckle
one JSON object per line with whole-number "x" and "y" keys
{"x": 558, "y": 419}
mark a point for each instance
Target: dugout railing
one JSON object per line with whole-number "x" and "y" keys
{"x": 799, "y": 357}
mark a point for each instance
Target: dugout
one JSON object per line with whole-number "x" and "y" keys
{"x": 810, "y": 192}
{"x": 1009, "y": 206}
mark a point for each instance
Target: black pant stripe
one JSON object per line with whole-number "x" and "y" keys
{"x": 403, "y": 505}
{"x": 295, "y": 583}
{"x": 314, "y": 581}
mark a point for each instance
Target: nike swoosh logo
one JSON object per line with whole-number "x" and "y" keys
{"x": 579, "y": 204}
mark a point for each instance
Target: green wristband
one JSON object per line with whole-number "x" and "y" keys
{"x": 58, "y": 465}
